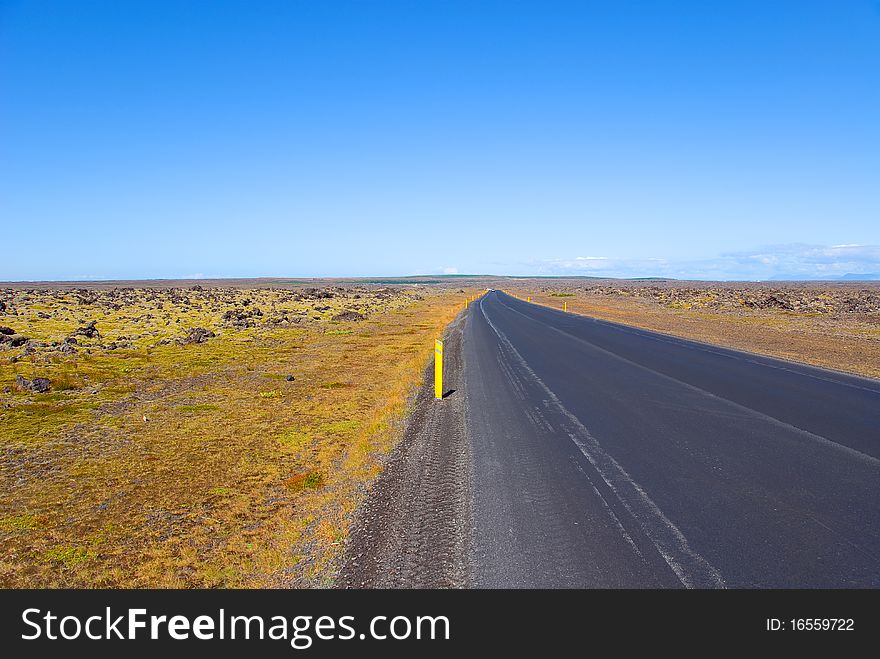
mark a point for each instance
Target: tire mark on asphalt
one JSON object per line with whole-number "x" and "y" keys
{"x": 737, "y": 354}
{"x": 690, "y": 567}
{"x": 830, "y": 443}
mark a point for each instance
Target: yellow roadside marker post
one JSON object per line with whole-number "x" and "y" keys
{"x": 530, "y": 298}
{"x": 565, "y": 306}
{"x": 465, "y": 303}
{"x": 438, "y": 369}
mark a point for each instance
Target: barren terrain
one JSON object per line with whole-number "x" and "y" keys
{"x": 198, "y": 436}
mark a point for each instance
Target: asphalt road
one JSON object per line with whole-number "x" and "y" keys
{"x": 607, "y": 456}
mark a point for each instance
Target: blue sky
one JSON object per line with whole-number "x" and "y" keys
{"x": 152, "y": 138}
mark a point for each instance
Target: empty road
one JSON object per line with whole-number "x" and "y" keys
{"x": 607, "y": 456}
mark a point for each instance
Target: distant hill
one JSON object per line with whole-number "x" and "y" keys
{"x": 870, "y": 276}
{"x": 850, "y": 276}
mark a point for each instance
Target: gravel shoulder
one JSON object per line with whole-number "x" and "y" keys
{"x": 414, "y": 528}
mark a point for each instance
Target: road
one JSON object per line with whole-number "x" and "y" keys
{"x": 607, "y": 456}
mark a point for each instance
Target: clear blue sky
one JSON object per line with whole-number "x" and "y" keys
{"x": 282, "y": 138}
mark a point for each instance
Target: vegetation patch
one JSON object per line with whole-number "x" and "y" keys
{"x": 199, "y": 407}
{"x": 69, "y": 556}
{"x": 339, "y": 426}
{"x": 20, "y": 522}
{"x": 310, "y": 480}
{"x": 295, "y": 439}
{"x": 153, "y": 462}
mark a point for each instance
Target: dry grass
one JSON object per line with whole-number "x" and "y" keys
{"x": 166, "y": 465}
{"x": 828, "y": 338}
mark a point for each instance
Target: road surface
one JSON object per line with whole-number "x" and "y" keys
{"x": 608, "y": 456}
{"x": 577, "y": 453}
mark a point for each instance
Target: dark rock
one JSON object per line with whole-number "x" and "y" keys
{"x": 71, "y": 340}
{"x": 116, "y": 345}
{"x": 197, "y": 335}
{"x": 237, "y": 318}
{"x": 314, "y": 294}
{"x": 290, "y": 378}
{"x": 241, "y": 318}
{"x": 37, "y": 385}
{"x": 6, "y": 330}
{"x": 90, "y": 331}
{"x": 41, "y": 385}
{"x": 349, "y": 315}
{"x": 66, "y": 348}
{"x": 17, "y": 340}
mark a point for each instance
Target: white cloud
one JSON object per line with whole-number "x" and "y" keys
{"x": 792, "y": 261}
{"x": 448, "y": 270}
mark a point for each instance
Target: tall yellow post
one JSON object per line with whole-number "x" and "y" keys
{"x": 438, "y": 369}
{"x": 565, "y": 306}
{"x": 530, "y": 298}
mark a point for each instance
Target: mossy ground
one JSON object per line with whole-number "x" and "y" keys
{"x": 158, "y": 464}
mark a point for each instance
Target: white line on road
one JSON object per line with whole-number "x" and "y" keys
{"x": 828, "y": 443}
{"x": 691, "y": 568}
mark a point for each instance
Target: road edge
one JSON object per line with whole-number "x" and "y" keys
{"x": 414, "y": 527}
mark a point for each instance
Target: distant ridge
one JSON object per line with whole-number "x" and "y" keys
{"x": 870, "y": 276}
{"x": 850, "y": 276}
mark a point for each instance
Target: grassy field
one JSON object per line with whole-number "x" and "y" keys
{"x": 164, "y": 456}
{"x": 831, "y": 326}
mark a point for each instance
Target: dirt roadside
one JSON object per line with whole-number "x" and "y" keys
{"x": 413, "y": 530}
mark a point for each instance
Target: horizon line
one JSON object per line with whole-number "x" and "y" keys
{"x": 427, "y": 277}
